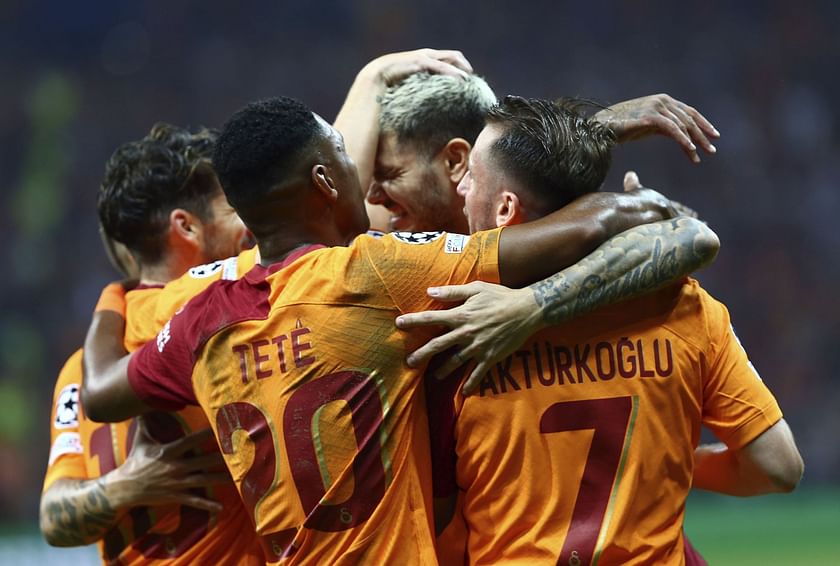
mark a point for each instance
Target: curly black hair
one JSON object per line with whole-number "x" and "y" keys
{"x": 260, "y": 145}
{"x": 146, "y": 179}
{"x": 551, "y": 147}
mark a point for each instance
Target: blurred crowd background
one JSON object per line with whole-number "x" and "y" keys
{"x": 80, "y": 78}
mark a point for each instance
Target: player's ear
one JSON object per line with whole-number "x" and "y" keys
{"x": 456, "y": 155}
{"x": 323, "y": 182}
{"x": 509, "y": 210}
{"x": 185, "y": 225}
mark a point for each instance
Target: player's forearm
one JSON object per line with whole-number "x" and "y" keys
{"x": 77, "y": 512}
{"x": 630, "y": 264}
{"x": 358, "y": 121}
{"x": 106, "y": 394}
{"x": 529, "y": 252}
{"x": 719, "y": 469}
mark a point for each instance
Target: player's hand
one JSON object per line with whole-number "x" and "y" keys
{"x": 393, "y": 68}
{"x": 493, "y": 321}
{"x": 663, "y": 115}
{"x": 162, "y": 474}
{"x": 632, "y": 183}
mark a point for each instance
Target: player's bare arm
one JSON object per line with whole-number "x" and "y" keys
{"x": 358, "y": 118}
{"x": 77, "y": 512}
{"x": 664, "y": 115}
{"x": 531, "y": 252}
{"x": 106, "y": 394}
{"x": 628, "y": 265}
{"x": 769, "y": 464}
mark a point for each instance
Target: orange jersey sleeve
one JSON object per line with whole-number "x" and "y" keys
{"x": 579, "y": 446}
{"x": 737, "y": 406}
{"x": 66, "y": 459}
{"x": 170, "y": 534}
{"x": 301, "y": 370}
{"x": 409, "y": 262}
{"x": 178, "y": 292}
{"x": 112, "y": 298}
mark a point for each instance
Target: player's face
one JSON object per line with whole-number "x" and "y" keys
{"x": 414, "y": 188}
{"x": 481, "y": 187}
{"x": 224, "y": 234}
{"x": 351, "y": 217}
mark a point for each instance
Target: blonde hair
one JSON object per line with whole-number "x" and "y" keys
{"x": 427, "y": 111}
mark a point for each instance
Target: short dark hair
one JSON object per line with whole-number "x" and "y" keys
{"x": 260, "y": 145}
{"x": 146, "y": 179}
{"x": 551, "y": 148}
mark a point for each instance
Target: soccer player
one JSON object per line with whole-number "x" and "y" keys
{"x": 411, "y": 134}
{"x": 298, "y": 364}
{"x": 145, "y": 501}
{"x": 601, "y": 417}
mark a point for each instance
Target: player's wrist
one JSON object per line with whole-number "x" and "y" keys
{"x": 373, "y": 77}
{"x": 534, "y": 316}
{"x": 121, "y": 491}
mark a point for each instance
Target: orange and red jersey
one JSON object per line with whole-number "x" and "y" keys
{"x": 83, "y": 449}
{"x": 66, "y": 452}
{"x": 301, "y": 372}
{"x": 579, "y": 446}
{"x": 178, "y": 292}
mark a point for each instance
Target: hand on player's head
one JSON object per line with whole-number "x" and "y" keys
{"x": 393, "y": 68}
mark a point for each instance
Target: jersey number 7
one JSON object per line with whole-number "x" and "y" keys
{"x": 612, "y": 420}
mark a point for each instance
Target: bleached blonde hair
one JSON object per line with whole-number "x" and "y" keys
{"x": 427, "y": 111}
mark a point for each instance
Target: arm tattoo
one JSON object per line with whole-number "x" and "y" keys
{"x": 630, "y": 264}
{"x": 77, "y": 512}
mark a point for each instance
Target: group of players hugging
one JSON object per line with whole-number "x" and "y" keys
{"x": 313, "y": 399}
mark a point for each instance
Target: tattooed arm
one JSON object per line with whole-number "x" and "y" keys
{"x": 77, "y": 512}
{"x": 630, "y": 264}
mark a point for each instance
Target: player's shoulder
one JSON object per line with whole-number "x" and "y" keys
{"x": 693, "y": 296}
{"x": 72, "y": 369}
{"x": 141, "y": 298}
{"x": 222, "y": 304}
{"x": 227, "y": 269}
{"x": 697, "y": 314}
{"x": 66, "y": 394}
{"x": 417, "y": 243}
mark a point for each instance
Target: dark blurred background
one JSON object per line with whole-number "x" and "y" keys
{"x": 80, "y": 78}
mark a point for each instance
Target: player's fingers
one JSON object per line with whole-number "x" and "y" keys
{"x": 456, "y": 58}
{"x": 455, "y": 361}
{"x": 673, "y": 128}
{"x": 631, "y": 181}
{"x": 684, "y": 210}
{"x": 425, "y": 318}
{"x": 701, "y": 120}
{"x": 201, "y": 480}
{"x": 199, "y": 502}
{"x": 203, "y": 462}
{"x": 438, "y": 67}
{"x": 188, "y": 442}
{"x": 452, "y": 293}
{"x": 695, "y": 133}
{"x": 434, "y": 346}
{"x": 475, "y": 378}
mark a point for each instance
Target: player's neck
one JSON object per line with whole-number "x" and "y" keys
{"x": 275, "y": 248}
{"x": 162, "y": 272}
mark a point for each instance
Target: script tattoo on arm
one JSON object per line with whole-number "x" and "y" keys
{"x": 76, "y": 512}
{"x": 632, "y": 263}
